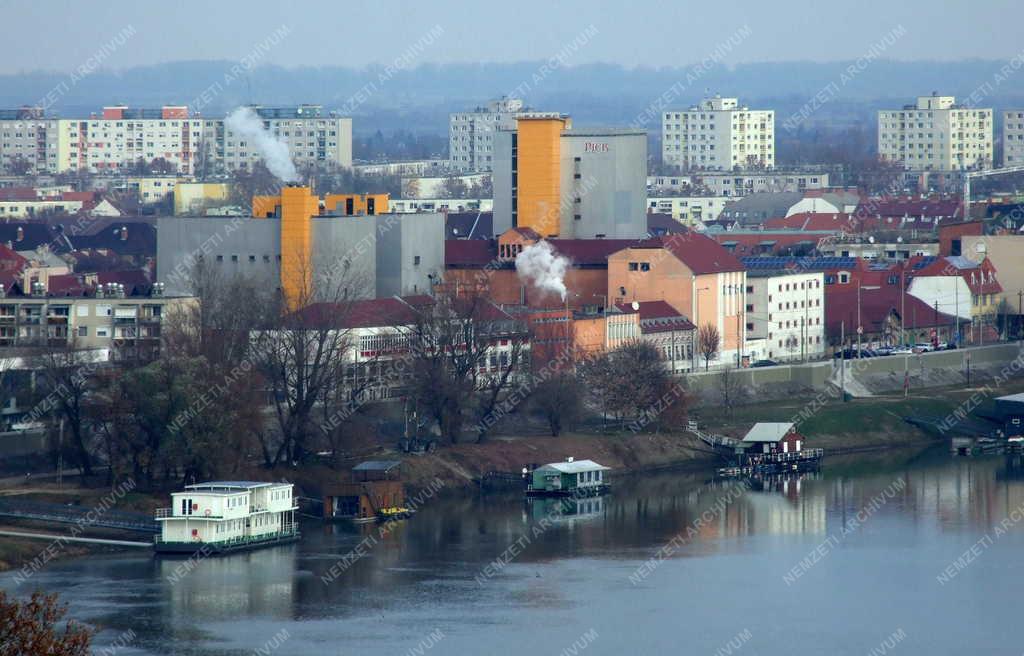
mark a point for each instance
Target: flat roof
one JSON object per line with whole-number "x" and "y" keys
{"x": 231, "y": 485}
{"x": 602, "y": 132}
{"x": 574, "y": 467}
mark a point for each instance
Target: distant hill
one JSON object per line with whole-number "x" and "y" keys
{"x": 419, "y": 99}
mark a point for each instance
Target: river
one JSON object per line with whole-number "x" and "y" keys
{"x": 915, "y": 553}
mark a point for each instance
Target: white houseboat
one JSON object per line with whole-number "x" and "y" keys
{"x": 577, "y": 478}
{"x": 224, "y": 516}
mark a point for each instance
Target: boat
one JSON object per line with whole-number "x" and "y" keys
{"x": 572, "y": 478}
{"x": 227, "y": 516}
{"x": 772, "y": 448}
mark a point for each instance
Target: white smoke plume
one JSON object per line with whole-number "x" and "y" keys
{"x": 541, "y": 265}
{"x": 246, "y": 124}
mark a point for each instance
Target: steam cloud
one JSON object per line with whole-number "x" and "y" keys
{"x": 244, "y": 122}
{"x": 541, "y": 265}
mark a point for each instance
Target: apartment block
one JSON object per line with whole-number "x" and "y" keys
{"x": 126, "y": 326}
{"x": 785, "y": 314}
{"x": 936, "y": 134}
{"x": 120, "y": 136}
{"x": 312, "y": 139}
{"x": 471, "y": 134}
{"x": 718, "y": 135}
{"x": 1013, "y": 138}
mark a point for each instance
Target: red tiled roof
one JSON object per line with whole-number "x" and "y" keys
{"x": 84, "y": 196}
{"x": 585, "y": 252}
{"x": 875, "y": 306}
{"x": 469, "y": 253}
{"x": 377, "y": 312}
{"x": 909, "y": 207}
{"x": 699, "y": 253}
{"x": 816, "y": 221}
{"x": 18, "y": 193}
{"x": 657, "y": 316}
{"x": 976, "y": 275}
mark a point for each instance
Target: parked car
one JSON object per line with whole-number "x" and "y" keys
{"x": 764, "y": 363}
{"x": 903, "y": 349}
{"x": 923, "y": 347}
{"x": 884, "y": 350}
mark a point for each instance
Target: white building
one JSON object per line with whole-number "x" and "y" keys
{"x": 121, "y": 136}
{"x": 785, "y": 315}
{"x": 1013, "y": 138}
{"x": 936, "y": 134}
{"x": 691, "y": 210}
{"x": 471, "y": 134}
{"x": 718, "y": 135}
{"x": 737, "y": 185}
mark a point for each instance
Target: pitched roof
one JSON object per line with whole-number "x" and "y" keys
{"x": 816, "y": 221}
{"x": 590, "y": 252}
{"x": 33, "y": 234}
{"x": 469, "y": 253}
{"x": 371, "y": 313}
{"x": 876, "y": 305}
{"x": 18, "y": 193}
{"x": 699, "y": 253}
{"x": 768, "y": 431}
{"x": 657, "y": 317}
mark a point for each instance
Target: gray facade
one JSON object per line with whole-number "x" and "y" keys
{"x": 388, "y": 254}
{"x": 604, "y": 184}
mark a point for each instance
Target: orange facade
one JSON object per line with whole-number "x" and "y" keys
{"x": 505, "y": 287}
{"x": 655, "y": 274}
{"x": 298, "y": 207}
{"x": 539, "y": 173}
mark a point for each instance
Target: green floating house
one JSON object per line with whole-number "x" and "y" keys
{"x": 569, "y": 478}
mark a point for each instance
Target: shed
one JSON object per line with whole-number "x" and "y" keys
{"x": 375, "y": 485}
{"x": 772, "y": 437}
{"x": 1010, "y": 410}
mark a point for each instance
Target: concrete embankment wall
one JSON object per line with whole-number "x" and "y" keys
{"x": 873, "y": 375}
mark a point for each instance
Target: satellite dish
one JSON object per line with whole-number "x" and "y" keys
{"x": 636, "y": 306}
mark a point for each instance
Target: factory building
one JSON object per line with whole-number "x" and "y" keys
{"x": 570, "y": 183}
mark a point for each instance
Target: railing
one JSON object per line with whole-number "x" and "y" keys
{"x": 806, "y": 454}
{"x": 240, "y": 540}
{"x": 164, "y": 512}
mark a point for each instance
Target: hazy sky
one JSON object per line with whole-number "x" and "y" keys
{"x": 60, "y": 35}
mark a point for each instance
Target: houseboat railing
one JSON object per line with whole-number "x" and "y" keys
{"x": 245, "y": 539}
{"x": 164, "y": 512}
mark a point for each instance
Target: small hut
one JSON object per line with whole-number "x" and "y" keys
{"x": 375, "y": 486}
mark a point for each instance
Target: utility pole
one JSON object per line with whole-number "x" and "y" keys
{"x": 859, "y": 330}
{"x": 1020, "y": 318}
{"x": 903, "y": 302}
{"x": 842, "y": 360}
{"x": 60, "y": 456}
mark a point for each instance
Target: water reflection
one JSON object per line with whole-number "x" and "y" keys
{"x": 344, "y": 580}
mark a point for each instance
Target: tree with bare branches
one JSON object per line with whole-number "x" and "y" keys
{"x": 708, "y": 342}
{"x": 459, "y": 363}
{"x": 37, "y": 626}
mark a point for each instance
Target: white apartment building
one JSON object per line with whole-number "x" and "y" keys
{"x": 785, "y": 315}
{"x": 690, "y": 210}
{"x": 737, "y": 185}
{"x": 718, "y": 135}
{"x": 120, "y": 136}
{"x": 936, "y": 134}
{"x": 471, "y": 134}
{"x": 311, "y": 137}
{"x": 1013, "y": 138}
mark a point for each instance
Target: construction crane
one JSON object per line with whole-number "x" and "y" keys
{"x": 982, "y": 174}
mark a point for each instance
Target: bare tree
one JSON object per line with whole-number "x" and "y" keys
{"x": 457, "y": 360}
{"x": 730, "y": 389}
{"x": 559, "y": 399}
{"x": 708, "y": 341}
{"x": 67, "y": 374}
{"x": 301, "y": 351}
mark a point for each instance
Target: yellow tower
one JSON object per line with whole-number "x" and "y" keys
{"x": 539, "y": 174}
{"x": 298, "y": 207}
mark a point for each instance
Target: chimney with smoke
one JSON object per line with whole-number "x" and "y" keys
{"x": 541, "y": 265}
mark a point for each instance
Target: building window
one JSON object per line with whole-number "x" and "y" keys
{"x": 83, "y": 331}
{"x": 415, "y": 260}
{"x": 634, "y": 266}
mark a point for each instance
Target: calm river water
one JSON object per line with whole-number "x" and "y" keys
{"x": 903, "y": 553}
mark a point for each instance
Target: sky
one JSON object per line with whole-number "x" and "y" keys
{"x": 59, "y": 35}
